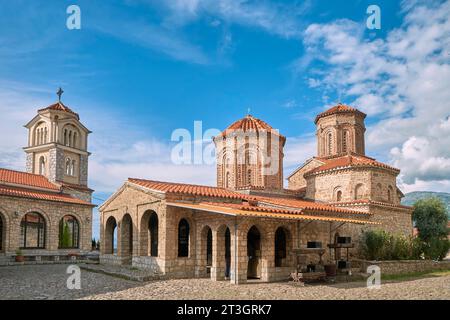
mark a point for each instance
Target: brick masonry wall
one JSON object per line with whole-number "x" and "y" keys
{"x": 13, "y": 209}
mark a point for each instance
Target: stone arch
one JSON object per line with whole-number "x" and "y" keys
{"x": 33, "y": 231}
{"x": 337, "y": 194}
{"x": 126, "y": 236}
{"x": 69, "y": 232}
{"x": 223, "y": 254}
{"x": 390, "y": 194}
{"x": 149, "y": 234}
{"x": 205, "y": 253}
{"x": 359, "y": 191}
{"x": 71, "y": 136}
{"x": 254, "y": 246}
{"x": 110, "y": 237}
{"x": 379, "y": 191}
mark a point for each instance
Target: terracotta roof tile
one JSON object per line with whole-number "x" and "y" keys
{"x": 190, "y": 189}
{"x": 306, "y": 205}
{"x": 340, "y": 108}
{"x": 40, "y": 195}
{"x": 59, "y": 106}
{"x": 350, "y": 160}
{"x": 26, "y": 179}
{"x": 250, "y": 123}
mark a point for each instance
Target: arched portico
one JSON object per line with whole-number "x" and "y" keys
{"x": 126, "y": 238}
{"x": 149, "y": 234}
{"x": 254, "y": 253}
{"x": 110, "y": 238}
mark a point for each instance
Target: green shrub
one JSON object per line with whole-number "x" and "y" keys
{"x": 381, "y": 245}
{"x": 436, "y": 249}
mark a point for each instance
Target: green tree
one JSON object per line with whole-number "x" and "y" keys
{"x": 430, "y": 217}
{"x": 66, "y": 239}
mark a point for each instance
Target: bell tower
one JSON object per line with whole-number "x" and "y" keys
{"x": 340, "y": 130}
{"x": 57, "y": 147}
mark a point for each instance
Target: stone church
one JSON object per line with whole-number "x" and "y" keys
{"x": 46, "y": 212}
{"x": 250, "y": 226}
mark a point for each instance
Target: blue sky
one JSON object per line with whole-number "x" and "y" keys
{"x": 139, "y": 69}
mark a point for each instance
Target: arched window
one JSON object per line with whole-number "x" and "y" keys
{"x": 65, "y": 137}
{"x": 390, "y": 194}
{"x": 330, "y": 143}
{"x": 153, "y": 229}
{"x": 359, "y": 191}
{"x": 69, "y": 139}
{"x": 183, "y": 238}
{"x": 280, "y": 247}
{"x": 249, "y": 177}
{"x": 42, "y": 165}
{"x": 72, "y": 168}
{"x": 69, "y": 232}
{"x": 228, "y": 180}
{"x": 344, "y": 141}
{"x": 339, "y": 196}
{"x": 75, "y": 136}
{"x": 68, "y": 166}
{"x": 32, "y": 231}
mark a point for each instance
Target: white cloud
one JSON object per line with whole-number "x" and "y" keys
{"x": 403, "y": 81}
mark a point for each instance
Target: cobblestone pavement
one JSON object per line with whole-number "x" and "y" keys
{"x": 49, "y": 282}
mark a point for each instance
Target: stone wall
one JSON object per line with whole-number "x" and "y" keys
{"x": 405, "y": 266}
{"x": 13, "y": 209}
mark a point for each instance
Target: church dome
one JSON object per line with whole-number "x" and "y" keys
{"x": 250, "y": 124}
{"x": 339, "y": 108}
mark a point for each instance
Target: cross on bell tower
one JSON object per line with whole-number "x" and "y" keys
{"x": 59, "y": 93}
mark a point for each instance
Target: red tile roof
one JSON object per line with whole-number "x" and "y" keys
{"x": 26, "y": 179}
{"x": 349, "y": 160}
{"x": 190, "y": 189}
{"x": 340, "y": 108}
{"x": 306, "y": 205}
{"x": 250, "y": 123}
{"x": 40, "y": 195}
{"x": 214, "y": 192}
{"x": 59, "y": 106}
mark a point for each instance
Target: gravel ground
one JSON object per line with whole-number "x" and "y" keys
{"x": 49, "y": 282}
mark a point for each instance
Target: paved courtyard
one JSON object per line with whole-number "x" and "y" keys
{"x": 49, "y": 282}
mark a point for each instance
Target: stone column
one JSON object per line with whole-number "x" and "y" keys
{"x": 239, "y": 259}
{"x": 268, "y": 256}
{"x": 218, "y": 260}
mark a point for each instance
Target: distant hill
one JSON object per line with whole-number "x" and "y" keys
{"x": 412, "y": 197}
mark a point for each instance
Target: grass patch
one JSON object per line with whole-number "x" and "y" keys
{"x": 415, "y": 275}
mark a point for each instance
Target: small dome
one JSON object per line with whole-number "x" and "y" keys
{"x": 339, "y": 108}
{"x": 250, "y": 123}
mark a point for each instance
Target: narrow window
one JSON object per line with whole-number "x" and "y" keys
{"x": 183, "y": 238}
